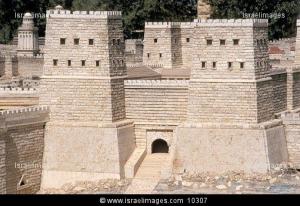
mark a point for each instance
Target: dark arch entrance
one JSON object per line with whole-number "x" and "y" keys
{"x": 160, "y": 146}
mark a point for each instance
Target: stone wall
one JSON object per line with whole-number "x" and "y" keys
{"x": 21, "y": 149}
{"x": 2, "y": 66}
{"x": 292, "y": 131}
{"x": 134, "y": 51}
{"x": 155, "y": 101}
{"x": 279, "y": 80}
{"x": 168, "y": 44}
{"x": 30, "y": 66}
{"x": 216, "y": 148}
{"x": 297, "y": 54}
{"x": 155, "y": 105}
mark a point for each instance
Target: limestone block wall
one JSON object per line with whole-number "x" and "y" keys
{"x": 30, "y": 66}
{"x": 2, "y": 65}
{"x": 104, "y": 27}
{"x": 292, "y": 131}
{"x": 279, "y": 80}
{"x": 168, "y": 44}
{"x": 80, "y": 100}
{"x": 134, "y": 51}
{"x": 21, "y": 149}
{"x": 158, "y": 43}
{"x": 187, "y": 41}
{"x": 8, "y": 65}
{"x": 208, "y": 48}
{"x": 155, "y": 101}
{"x": 217, "y": 149}
{"x": 296, "y": 90}
{"x": 297, "y": 54}
{"x": 230, "y": 102}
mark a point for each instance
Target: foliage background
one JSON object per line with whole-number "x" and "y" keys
{"x": 136, "y": 12}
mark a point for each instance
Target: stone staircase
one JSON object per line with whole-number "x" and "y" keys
{"x": 148, "y": 174}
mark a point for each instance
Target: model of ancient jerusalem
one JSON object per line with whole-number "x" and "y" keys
{"x": 149, "y": 97}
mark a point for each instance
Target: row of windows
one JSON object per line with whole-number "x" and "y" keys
{"x": 90, "y": 41}
{"x": 209, "y": 42}
{"x": 83, "y": 62}
{"x": 229, "y": 65}
{"x": 160, "y": 55}
{"x": 69, "y": 62}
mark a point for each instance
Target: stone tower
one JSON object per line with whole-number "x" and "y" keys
{"x": 203, "y": 9}
{"x": 88, "y": 136}
{"x": 230, "y": 120}
{"x": 27, "y": 37}
{"x": 297, "y": 56}
{"x": 162, "y": 44}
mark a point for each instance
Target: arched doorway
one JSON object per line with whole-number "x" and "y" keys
{"x": 160, "y": 146}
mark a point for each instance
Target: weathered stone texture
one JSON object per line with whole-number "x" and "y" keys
{"x": 297, "y": 53}
{"x": 30, "y": 66}
{"x": 21, "y": 150}
{"x": 279, "y": 92}
{"x": 156, "y": 100}
{"x": 218, "y": 150}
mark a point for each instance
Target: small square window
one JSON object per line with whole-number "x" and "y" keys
{"x": 118, "y": 41}
{"x": 97, "y": 63}
{"x": 83, "y": 63}
{"x": 76, "y": 41}
{"x": 160, "y": 55}
{"x": 214, "y": 65}
{"x": 114, "y": 41}
{"x": 242, "y": 65}
{"x": 62, "y": 41}
{"x": 209, "y": 42}
{"x": 69, "y": 63}
{"x": 222, "y": 41}
{"x": 175, "y": 40}
{"x": 236, "y": 42}
{"x": 229, "y": 65}
{"x": 91, "y": 41}
{"x": 187, "y": 39}
{"x": 148, "y": 55}
{"x": 55, "y": 61}
{"x": 155, "y": 40}
{"x": 203, "y": 64}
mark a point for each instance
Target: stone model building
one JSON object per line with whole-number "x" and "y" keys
{"x": 226, "y": 109}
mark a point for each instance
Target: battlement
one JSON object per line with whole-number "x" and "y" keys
{"x": 154, "y": 65}
{"x": 17, "y": 89}
{"x": 35, "y": 109}
{"x": 24, "y": 116}
{"x": 18, "y": 92}
{"x": 169, "y": 24}
{"x": 231, "y": 22}
{"x": 156, "y": 83}
{"x": 38, "y": 56}
{"x": 280, "y": 40}
{"x": 56, "y": 13}
{"x": 290, "y": 116}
